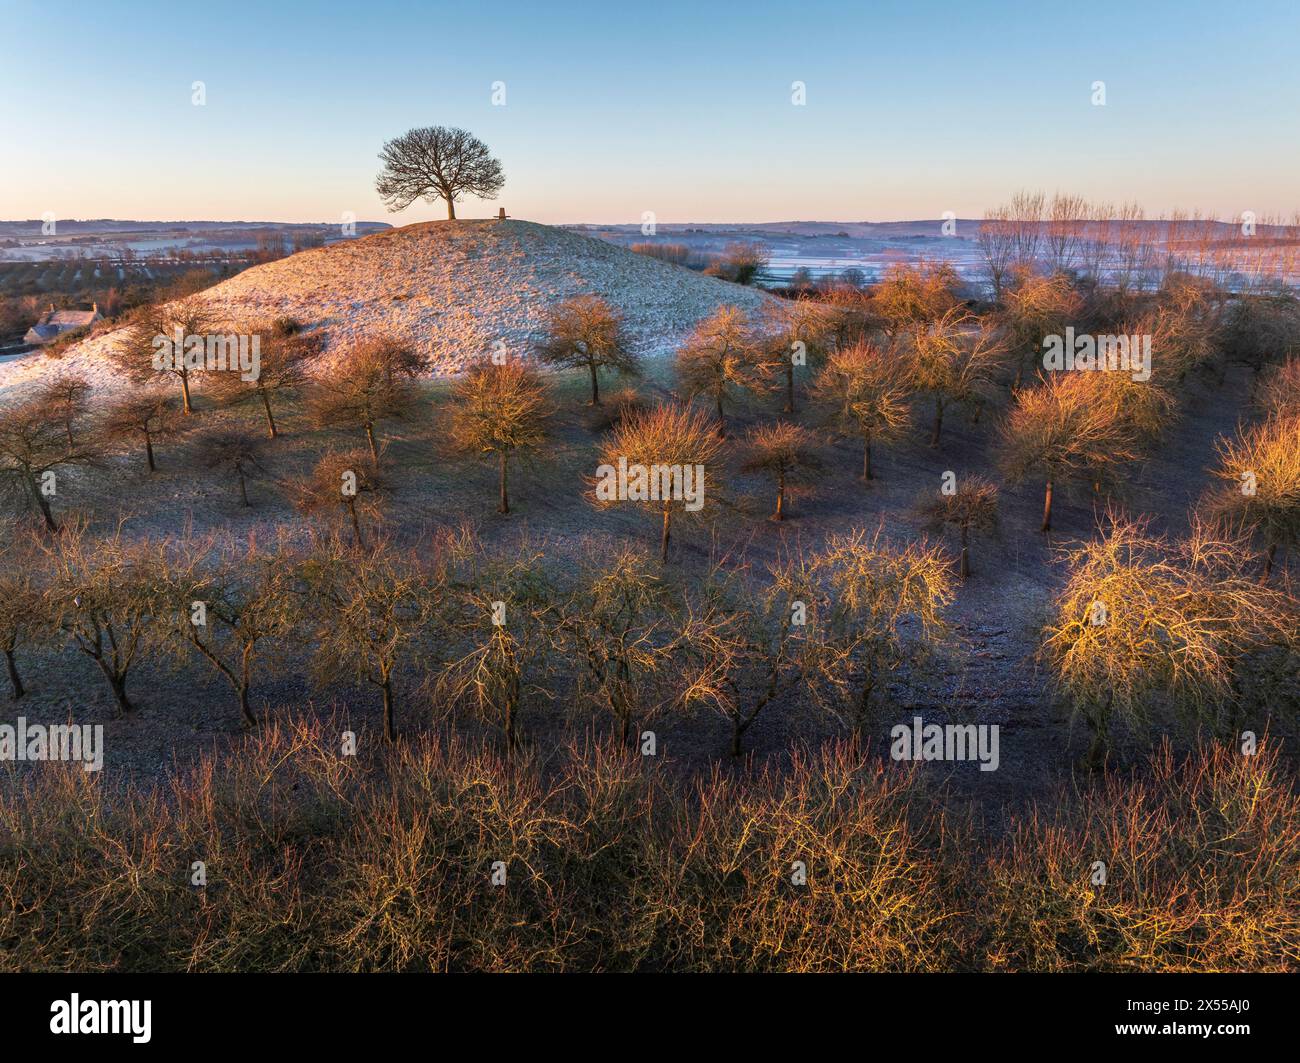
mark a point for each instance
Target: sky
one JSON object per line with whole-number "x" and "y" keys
{"x": 619, "y": 108}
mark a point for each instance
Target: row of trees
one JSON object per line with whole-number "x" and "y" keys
{"x": 496, "y": 632}
{"x": 1120, "y": 246}
{"x": 1141, "y": 624}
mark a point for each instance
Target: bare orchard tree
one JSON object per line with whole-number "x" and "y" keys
{"x": 146, "y": 417}
{"x": 721, "y": 358}
{"x": 786, "y": 453}
{"x": 141, "y": 351}
{"x": 102, "y": 594}
{"x": 343, "y": 486}
{"x": 368, "y": 384}
{"x": 585, "y": 332}
{"x": 797, "y": 332}
{"x": 226, "y": 603}
{"x": 235, "y": 455}
{"x": 437, "y": 162}
{"x": 860, "y": 396}
{"x": 286, "y": 358}
{"x": 68, "y": 395}
{"x": 666, "y": 437}
{"x": 954, "y": 361}
{"x": 370, "y": 609}
{"x": 20, "y": 597}
{"x": 34, "y": 451}
{"x": 499, "y": 411}
{"x": 615, "y": 623}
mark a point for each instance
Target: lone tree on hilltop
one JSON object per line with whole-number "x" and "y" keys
{"x": 436, "y": 162}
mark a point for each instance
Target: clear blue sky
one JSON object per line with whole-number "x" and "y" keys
{"x": 683, "y": 109}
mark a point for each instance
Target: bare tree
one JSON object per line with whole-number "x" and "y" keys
{"x": 33, "y": 451}
{"x": 1037, "y": 307}
{"x": 500, "y": 410}
{"x": 147, "y": 416}
{"x": 877, "y": 605}
{"x": 744, "y": 648}
{"x": 285, "y": 361}
{"x": 102, "y": 593}
{"x": 225, "y": 603}
{"x": 798, "y": 334}
{"x": 997, "y": 245}
{"x": 159, "y": 342}
{"x": 1066, "y": 217}
{"x": 585, "y": 332}
{"x": 234, "y": 453}
{"x": 721, "y": 357}
{"x": 437, "y": 162}
{"x": 370, "y": 607}
{"x": 1060, "y": 432}
{"x": 860, "y": 396}
{"x": 786, "y": 452}
{"x": 509, "y": 613}
{"x": 343, "y": 485}
{"x": 969, "y": 504}
{"x": 1260, "y": 470}
{"x": 1142, "y": 621}
{"x": 953, "y": 360}
{"x": 368, "y": 384}
{"x": 914, "y": 295}
{"x": 69, "y": 395}
{"x": 20, "y": 598}
{"x": 664, "y": 438}
{"x": 615, "y": 623}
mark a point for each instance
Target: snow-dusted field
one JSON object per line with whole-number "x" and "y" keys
{"x": 452, "y": 288}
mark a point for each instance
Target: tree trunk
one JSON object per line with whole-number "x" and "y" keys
{"x": 595, "y": 385}
{"x": 512, "y": 740}
{"x": 1268, "y": 562}
{"x": 866, "y": 458}
{"x": 789, "y": 387}
{"x": 245, "y": 708}
{"x": 356, "y": 523}
{"x": 118, "y": 683}
{"x": 243, "y": 487}
{"x": 390, "y": 732}
{"x": 505, "y": 498}
{"x": 148, "y": 452}
{"x": 46, "y": 512}
{"x": 938, "y": 422}
{"x": 370, "y": 438}
{"x": 722, "y": 420}
{"x": 965, "y": 552}
{"x": 451, "y": 209}
{"x": 15, "y": 680}
{"x": 737, "y": 733}
{"x": 270, "y": 419}
{"x": 780, "y": 497}
{"x": 1047, "y": 508}
{"x": 663, "y": 540}
{"x": 186, "y": 407}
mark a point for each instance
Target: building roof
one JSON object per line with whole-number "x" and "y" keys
{"x": 53, "y": 323}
